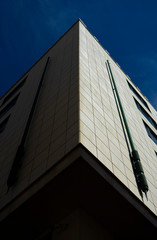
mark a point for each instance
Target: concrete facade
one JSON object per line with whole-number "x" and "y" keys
{"x": 76, "y": 117}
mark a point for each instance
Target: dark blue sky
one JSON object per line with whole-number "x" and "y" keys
{"x": 127, "y": 29}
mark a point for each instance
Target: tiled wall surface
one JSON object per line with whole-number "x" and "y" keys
{"x": 54, "y": 128}
{"x": 76, "y": 104}
{"x": 100, "y": 127}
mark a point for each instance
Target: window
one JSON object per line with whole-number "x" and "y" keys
{"x": 13, "y": 91}
{"x": 8, "y": 107}
{"x": 145, "y": 114}
{"x": 3, "y": 124}
{"x": 138, "y": 95}
{"x": 151, "y": 134}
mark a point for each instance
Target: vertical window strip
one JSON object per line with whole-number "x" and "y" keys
{"x": 138, "y": 95}
{"x": 146, "y": 114}
{"x": 20, "y": 85}
{"x": 9, "y": 106}
{"x": 3, "y": 124}
{"x": 151, "y": 134}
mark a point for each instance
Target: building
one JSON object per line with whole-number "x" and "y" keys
{"x": 70, "y": 130}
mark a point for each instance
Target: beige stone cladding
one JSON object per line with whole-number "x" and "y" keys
{"x": 54, "y": 127}
{"x": 76, "y": 105}
{"x": 100, "y": 126}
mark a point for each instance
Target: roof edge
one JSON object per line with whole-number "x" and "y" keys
{"x": 79, "y": 20}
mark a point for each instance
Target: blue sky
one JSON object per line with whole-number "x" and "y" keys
{"x": 127, "y": 29}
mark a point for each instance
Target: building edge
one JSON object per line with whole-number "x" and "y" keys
{"x": 79, "y": 20}
{"x": 79, "y": 152}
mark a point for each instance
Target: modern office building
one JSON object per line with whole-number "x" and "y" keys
{"x": 78, "y": 148}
